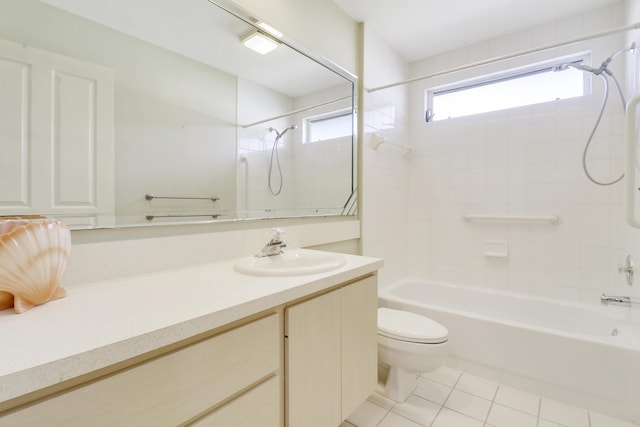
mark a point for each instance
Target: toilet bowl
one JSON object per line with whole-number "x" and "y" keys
{"x": 409, "y": 344}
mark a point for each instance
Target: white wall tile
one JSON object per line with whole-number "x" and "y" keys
{"x": 522, "y": 161}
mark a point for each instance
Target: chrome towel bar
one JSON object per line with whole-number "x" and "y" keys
{"x": 152, "y": 217}
{"x": 151, "y": 197}
{"x": 553, "y": 219}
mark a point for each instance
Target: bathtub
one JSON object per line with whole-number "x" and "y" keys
{"x": 585, "y": 355}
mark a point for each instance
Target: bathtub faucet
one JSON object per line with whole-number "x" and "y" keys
{"x": 615, "y": 300}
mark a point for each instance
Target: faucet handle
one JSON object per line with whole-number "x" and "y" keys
{"x": 277, "y": 233}
{"x": 627, "y": 269}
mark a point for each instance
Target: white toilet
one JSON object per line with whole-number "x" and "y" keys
{"x": 409, "y": 344}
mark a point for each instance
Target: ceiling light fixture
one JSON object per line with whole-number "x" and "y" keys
{"x": 259, "y": 42}
{"x": 269, "y": 29}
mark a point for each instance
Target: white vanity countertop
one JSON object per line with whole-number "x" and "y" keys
{"x": 104, "y": 323}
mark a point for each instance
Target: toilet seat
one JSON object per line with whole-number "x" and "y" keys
{"x": 410, "y": 327}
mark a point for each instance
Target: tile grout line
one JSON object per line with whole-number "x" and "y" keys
{"x": 387, "y": 414}
{"x": 486, "y": 418}
{"x": 445, "y": 400}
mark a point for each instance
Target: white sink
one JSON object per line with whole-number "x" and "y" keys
{"x": 293, "y": 262}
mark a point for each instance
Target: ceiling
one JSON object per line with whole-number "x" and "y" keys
{"x": 206, "y": 33}
{"x": 417, "y": 29}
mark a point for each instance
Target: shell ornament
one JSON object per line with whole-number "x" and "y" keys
{"x": 33, "y": 257}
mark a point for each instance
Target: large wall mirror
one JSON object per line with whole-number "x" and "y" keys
{"x": 137, "y": 113}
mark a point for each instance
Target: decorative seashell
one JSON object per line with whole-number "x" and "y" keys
{"x": 6, "y": 300}
{"x": 33, "y": 257}
{"x": 7, "y": 226}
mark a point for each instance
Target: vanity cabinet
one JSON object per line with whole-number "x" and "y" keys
{"x": 331, "y": 354}
{"x": 308, "y": 361}
{"x": 231, "y": 376}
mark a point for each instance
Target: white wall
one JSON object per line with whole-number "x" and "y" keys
{"x": 385, "y": 172}
{"x": 523, "y": 161}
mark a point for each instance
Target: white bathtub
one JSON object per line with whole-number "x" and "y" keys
{"x": 585, "y": 355}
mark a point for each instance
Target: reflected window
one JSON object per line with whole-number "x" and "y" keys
{"x": 336, "y": 124}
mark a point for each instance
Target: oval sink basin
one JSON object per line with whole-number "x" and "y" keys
{"x": 290, "y": 263}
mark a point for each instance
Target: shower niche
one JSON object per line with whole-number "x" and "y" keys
{"x": 194, "y": 127}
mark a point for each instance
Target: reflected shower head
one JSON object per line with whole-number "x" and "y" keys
{"x": 281, "y": 134}
{"x": 292, "y": 127}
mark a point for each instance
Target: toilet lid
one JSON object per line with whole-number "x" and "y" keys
{"x": 411, "y": 327}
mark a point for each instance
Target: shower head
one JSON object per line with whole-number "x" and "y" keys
{"x": 292, "y": 127}
{"x": 281, "y": 134}
{"x": 606, "y": 62}
{"x": 631, "y": 49}
{"x": 603, "y": 68}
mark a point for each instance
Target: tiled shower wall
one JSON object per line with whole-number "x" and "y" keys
{"x": 525, "y": 161}
{"x": 316, "y": 178}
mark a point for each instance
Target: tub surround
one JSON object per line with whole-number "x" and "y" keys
{"x": 106, "y": 323}
{"x": 585, "y": 355}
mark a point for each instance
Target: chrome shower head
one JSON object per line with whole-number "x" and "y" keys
{"x": 292, "y": 127}
{"x": 281, "y": 134}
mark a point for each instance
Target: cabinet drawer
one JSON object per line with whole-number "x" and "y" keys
{"x": 168, "y": 390}
{"x": 259, "y": 406}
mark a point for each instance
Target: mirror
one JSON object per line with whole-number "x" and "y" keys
{"x": 143, "y": 113}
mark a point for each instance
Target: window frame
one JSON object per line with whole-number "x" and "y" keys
{"x": 505, "y": 75}
{"x": 308, "y": 122}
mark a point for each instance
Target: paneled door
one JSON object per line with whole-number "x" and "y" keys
{"x": 56, "y": 136}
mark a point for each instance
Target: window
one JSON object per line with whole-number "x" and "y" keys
{"x": 513, "y": 88}
{"x": 336, "y": 124}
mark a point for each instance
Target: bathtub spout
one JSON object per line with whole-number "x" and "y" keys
{"x": 616, "y": 300}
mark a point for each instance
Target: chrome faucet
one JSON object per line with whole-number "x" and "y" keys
{"x": 275, "y": 245}
{"x": 616, "y": 300}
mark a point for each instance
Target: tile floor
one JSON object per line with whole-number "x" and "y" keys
{"x": 450, "y": 398}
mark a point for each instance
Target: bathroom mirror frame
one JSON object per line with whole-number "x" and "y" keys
{"x": 229, "y": 7}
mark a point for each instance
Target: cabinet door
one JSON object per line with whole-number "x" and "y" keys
{"x": 359, "y": 343}
{"x": 313, "y": 362}
{"x": 168, "y": 390}
{"x": 259, "y": 406}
